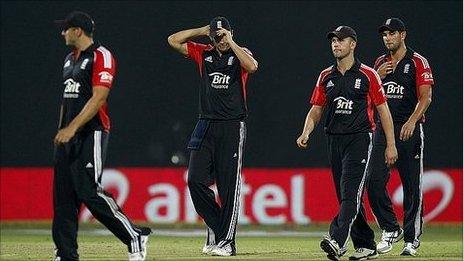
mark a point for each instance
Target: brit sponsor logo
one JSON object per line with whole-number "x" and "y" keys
{"x": 71, "y": 89}
{"x": 84, "y": 64}
{"x": 344, "y": 106}
{"x": 219, "y": 81}
{"x": 427, "y": 76}
{"x": 394, "y": 90}
{"x": 105, "y": 77}
{"x": 209, "y": 59}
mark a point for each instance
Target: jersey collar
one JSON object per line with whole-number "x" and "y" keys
{"x": 354, "y": 68}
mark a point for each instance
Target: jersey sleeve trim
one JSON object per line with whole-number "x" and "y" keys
{"x": 104, "y": 68}
{"x": 424, "y": 74}
{"x": 318, "y": 96}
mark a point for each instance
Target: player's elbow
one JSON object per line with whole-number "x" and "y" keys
{"x": 429, "y": 98}
{"x": 172, "y": 41}
{"x": 253, "y": 67}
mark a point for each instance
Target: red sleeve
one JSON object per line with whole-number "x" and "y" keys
{"x": 195, "y": 51}
{"x": 104, "y": 67}
{"x": 423, "y": 71}
{"x": 376, "y": 92}
{"x": 318, "y": 97}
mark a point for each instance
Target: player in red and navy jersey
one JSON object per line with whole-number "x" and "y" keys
{"x": 218, "y": 140}
{"x": 407, "y": 80}
{"x": 349, "y": 91}
{"x": 81, "y": 143}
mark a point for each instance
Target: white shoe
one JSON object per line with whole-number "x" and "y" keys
{"x": 207, "y": 249}
{"x": 331, "y": 247}
{"x": 142, "y": 254}
{"x": 224, "y": 249}
{"x": 210, "y": 243}
{"x": 144, "y": 241}
{"x": 409, "y": 250}
{"x": 388, "y": 239}
{"x": 55, "y": 255}
{"x": 137, "y": 256}
{"x": 364, "y": 253}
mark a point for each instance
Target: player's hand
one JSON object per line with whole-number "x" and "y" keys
{"x": 385, "y": 69}
{"x": 227, "y": 36}
{"x": 204, "y": 30}
{"x": 302, "y": 141}
{"x": 391, "y": 155}
{"x": 407, "y": 130}
{"x": 64, "y": 135}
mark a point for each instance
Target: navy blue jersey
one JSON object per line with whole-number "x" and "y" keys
{"x": 83, "y": 70}
{"x": 402, "y": 85}
{"x": 348, "y": 98}
{"x": 222, "y": 91}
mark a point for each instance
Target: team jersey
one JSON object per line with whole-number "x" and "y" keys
{"x": 94, "y": 66}
{"x": 222, "y": 91}
{"x": 402, "y": 85}
{"x": 348, "y": 98}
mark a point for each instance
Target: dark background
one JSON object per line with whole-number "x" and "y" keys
{"x": 153, "y": 104}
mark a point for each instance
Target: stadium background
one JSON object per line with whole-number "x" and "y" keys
{"x": 153, "y": 104}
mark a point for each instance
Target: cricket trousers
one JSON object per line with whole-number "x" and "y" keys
{"x": 218, "y": 159}
{"x": 349, "y": 155}
{"x": 77, "y": 180}
{"x": 410, "y": 167}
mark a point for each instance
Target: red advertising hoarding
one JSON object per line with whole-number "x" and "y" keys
{"x": 269, "y": 195}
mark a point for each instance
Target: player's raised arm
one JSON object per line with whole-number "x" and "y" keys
{"x": 246, "y": 59}
{"x": 178, "y": 40}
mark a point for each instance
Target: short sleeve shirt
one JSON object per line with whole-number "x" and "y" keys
{"x": 349, "y": 99}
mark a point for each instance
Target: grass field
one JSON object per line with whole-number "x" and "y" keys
{"x": 34, "y": 242}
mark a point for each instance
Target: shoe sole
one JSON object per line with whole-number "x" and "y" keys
{"x": 380, "y": 251}
{"x": 217, "y": 254}
{"x": 333, "y": 258}
{"x": 327, "y": 247}
{"x": 407, "y": 253}
{"x": 214, "y": 252}
{"x": 366, "y": 257}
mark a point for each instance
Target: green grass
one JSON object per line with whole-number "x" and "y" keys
{"x": 439, "y": 242}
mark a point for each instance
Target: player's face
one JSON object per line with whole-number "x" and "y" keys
{"x": 393, "y": 40}
{"x": 220, "y": 43}
{"x": 341, "y": 48}
{"x": 70, "y": 35}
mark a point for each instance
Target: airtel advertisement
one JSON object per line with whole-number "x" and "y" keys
{"x": 268, "y": 195}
